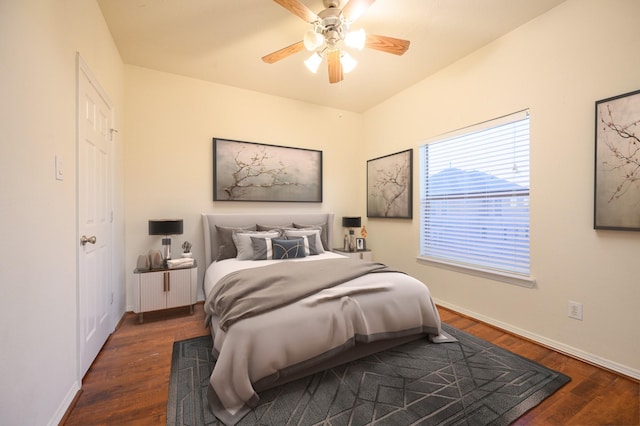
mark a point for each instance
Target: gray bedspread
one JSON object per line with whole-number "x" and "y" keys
{"x": 250, "y": 292}
{"x": 261, "y": 348}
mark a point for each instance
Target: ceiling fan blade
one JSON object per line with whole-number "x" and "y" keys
{"x": 298, "y": 9}
{"x": 283, "y": 53}
{"x": 386, "y": 44}
{"x": 355, "y": 8}
{"x": 335, "y": 66}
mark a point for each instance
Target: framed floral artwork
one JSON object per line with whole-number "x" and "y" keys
{"x": 248, "y": 171}
{"x": 389, "y": 186}
{"x": 617, "y": 163}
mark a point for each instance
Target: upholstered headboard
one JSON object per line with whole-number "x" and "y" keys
{"x": 210, "y": 220}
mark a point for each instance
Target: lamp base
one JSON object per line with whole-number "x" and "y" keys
{"x": 166, "y": 249}
{"x": 352, "y": 240}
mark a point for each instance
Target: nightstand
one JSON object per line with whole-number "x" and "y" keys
{"x": 165, "y": 288}
{"x": 362, "y": 254}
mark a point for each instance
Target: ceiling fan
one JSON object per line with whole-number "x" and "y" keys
{"x": 330, "y": 34}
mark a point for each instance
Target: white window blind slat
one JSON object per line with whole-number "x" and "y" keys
{"x": 475, "y": 195}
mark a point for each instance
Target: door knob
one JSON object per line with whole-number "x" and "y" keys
{"x": 91, "y": 240}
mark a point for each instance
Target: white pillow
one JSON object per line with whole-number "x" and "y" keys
{"x": 243, "y": 243}
{"x": 315, "y": 244}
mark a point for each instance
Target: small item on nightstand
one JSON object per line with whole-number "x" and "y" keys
{"x": 352, "y": 241}
{"x": 156, "y": 259}
{"x": 186, "y": 249}
{"x": 346, "y": 243}
{"x": 144, "y": 264}
{"x": 180, "y": 263}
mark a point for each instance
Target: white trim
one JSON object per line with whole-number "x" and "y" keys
{"x": 84, "y": 68}
{"x": 491, "y": 274}
{"x": 64, "y": 405}
{"x": 553, "y": 344}
{"x": 494, "y": 122}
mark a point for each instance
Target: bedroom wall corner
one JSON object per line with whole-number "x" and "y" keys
{"x": 170, "y": 123}
{"x": 557, "y": 65}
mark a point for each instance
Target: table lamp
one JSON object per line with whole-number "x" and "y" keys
{"x": 351, "y": 222}
{"x": 166, "y": 227}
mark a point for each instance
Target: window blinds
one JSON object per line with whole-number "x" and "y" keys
{"x": 475, "y": 196}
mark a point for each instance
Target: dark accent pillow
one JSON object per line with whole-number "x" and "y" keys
{"x": 287, "y": 249}
{"x": 323, "y": 233}
{"x": 226, "y": 247}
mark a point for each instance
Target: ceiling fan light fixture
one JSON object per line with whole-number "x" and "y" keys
{"x": 348, "y": 63}
{"x": 313, "y": 62}
{"x": 356, "y": 39}
{"x": 330, "y": 35}
{"x": 312, "y": 40}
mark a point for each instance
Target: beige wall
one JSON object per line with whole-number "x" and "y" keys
{"x": 38, "y": 311}
{"x": 557, "y": 65}
{"x": 170, "y": 123}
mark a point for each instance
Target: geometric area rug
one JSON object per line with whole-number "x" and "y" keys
{"x": 468, "y": 382}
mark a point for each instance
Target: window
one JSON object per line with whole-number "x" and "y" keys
{"x": 475, "y": 199}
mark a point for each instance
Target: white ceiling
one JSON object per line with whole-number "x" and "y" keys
{"x": 222, "y": 41}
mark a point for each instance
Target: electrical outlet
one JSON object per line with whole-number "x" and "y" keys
{"x": 575, "y": 310}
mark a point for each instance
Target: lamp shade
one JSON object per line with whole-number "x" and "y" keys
{"x": 313, "y": 63}
{"x": 312, "y": 40}
{"x": 351, "y": 222}
{"x": 165, "y": 227}
{"x": 356, "y": 39}
{"x": 348, "y": 63}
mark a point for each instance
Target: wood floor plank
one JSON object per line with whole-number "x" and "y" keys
{"x": 128, "y": 383}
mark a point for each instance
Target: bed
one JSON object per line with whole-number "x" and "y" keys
{"x": 275, "y": 320}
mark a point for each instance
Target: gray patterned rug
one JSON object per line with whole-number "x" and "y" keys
{"x": 468, "y": 382}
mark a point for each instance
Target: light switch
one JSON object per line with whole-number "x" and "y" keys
{"x": 59, "y": 175}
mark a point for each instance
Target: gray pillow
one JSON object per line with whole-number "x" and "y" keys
{"x": 226, "y": 247}
{"x": 244, "y": 243}
{"x": 323, "y": 232}
{"x": 312, "y": 235}
{"x": 261, "y": 248}
{"x": 273, "y": 227}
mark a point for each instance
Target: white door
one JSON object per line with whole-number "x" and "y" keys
{"x": 94, "y": 217}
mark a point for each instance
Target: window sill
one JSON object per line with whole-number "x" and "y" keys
{"x": 516, "y": 279}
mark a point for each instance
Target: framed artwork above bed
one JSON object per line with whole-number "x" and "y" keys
{"x": 249, "y": 171}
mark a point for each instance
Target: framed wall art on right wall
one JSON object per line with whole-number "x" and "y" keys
{"x": 389, "y": 186}
{"x": 617, "y": 163}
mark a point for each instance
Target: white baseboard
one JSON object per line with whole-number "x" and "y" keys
{"x": 64, "y": 405}
{"x": 555, "y": 345}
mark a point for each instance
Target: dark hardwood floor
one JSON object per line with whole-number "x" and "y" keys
{"x": 129, "y": 381}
